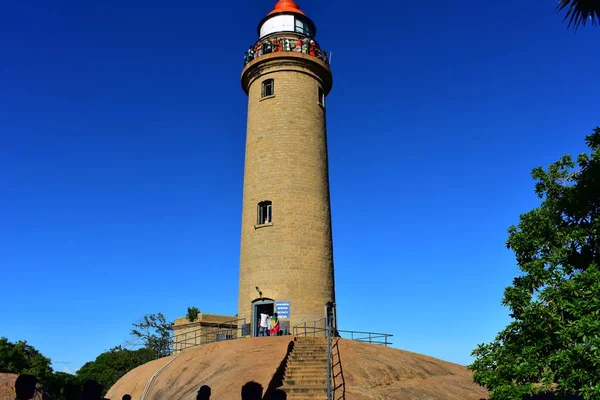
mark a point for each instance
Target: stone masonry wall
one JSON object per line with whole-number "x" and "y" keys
{"x": 286, "y": 163}
{"x": 188, "y": 334}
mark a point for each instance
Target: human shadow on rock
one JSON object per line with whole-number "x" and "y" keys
{"x": 252, "y": 391}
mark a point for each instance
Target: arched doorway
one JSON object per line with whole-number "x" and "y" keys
{"x": 259, "y": 306}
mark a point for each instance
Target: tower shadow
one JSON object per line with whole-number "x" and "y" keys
{"x": 272, "y": 392}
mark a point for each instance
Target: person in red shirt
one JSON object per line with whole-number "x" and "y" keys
{"x": 274, "y": 325}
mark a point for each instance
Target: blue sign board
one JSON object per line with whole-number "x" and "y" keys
{"x": 282, "y": 308}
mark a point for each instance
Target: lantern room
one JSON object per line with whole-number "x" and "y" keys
{"x": 286, "y": 29}
{"x": 287, "y": 17}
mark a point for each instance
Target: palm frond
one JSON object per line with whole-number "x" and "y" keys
{"x": 580, "y": 12}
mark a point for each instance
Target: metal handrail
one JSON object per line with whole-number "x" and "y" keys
{"x": 149, "y": 384}
{"x": 305, "y": 329}
{"x": 370, "y": 338}
{"x": 329, "y": 323}
{"x": 311, "y": 329}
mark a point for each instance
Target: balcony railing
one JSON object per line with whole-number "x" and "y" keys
{"x": 300, "y": 45}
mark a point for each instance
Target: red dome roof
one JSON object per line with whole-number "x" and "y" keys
{"x": 287, "y": 6}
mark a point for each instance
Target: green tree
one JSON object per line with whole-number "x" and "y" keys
{"x": 153, "y": 332}
{"x": 62, "y": 385}
{"x": 579, "y": 12}
{"x": 22, "y": 358}
{"x": 553, "y": 341}
{"x": 110, "y": 366}
{"x": 192, "y": 313}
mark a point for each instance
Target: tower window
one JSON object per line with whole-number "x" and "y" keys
{"x": 265, "y": 215}
{"x": 268, "y": 88}
{"x": 321, "y": 95}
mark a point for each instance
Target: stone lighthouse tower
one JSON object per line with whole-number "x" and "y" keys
{"x": 286, "y": 263}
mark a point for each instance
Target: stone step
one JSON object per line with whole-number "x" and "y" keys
{"x": 310, "y": 349}
{"x": 305, "y": 396}
{"x": 305, "y": 380}
{"x": 302, "y": 338}
{"x": 311, "y": 343}
{"x": 316, "y": 370}
{"x": 314, "y": 357}
{"x": 308, "y": 389}
{"x": 308, "y": 344}
{"x": 306, "y": 366}
{"x": 295, "y": 372}
{"x": 305, "y": 372}
{"x": 307, "y": 357}
{"x": 298, "y": 345}
{"x": 296, "y": 377}
{"x": 310, "y": 352}
{"x": 307, "y": 361}
{"x": 319, "y": 340}
{"x": 318, "y": 356}
{"x": 315, "y": 380}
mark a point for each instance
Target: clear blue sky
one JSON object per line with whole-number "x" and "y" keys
{"x": 122, "y": 131}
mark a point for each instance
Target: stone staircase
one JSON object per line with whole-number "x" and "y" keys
{"x": 306, "y": 371}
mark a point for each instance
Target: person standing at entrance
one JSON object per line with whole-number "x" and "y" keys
{"x": 264, "y": 324}
{"x": 274, "y": 325}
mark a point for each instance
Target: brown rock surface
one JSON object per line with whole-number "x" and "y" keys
{"x": 381, "y": 373}
{"x": 7, "y": 388}
{"x": 371, "y": 372}
{"x": 224, "y": 366}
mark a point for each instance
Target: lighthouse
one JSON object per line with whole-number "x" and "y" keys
{"x": 286, "y": 255}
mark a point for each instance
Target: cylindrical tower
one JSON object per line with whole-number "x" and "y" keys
{"x": 286, "y": 263}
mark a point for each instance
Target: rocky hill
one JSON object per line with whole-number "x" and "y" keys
{"x": 370, "y": 372}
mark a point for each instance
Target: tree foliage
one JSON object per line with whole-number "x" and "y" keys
{"x": 553, "y": 342}
{"x": 154, "y": 332}
{"x": 110, "y": 366}
{"x": 579, "y": 12}
{"x": 63, "y": 386}
{"x": 192, "y": 313}
{"x": 22, "y": 358}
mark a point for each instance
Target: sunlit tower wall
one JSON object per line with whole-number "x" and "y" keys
{"x": 286, "y": 241}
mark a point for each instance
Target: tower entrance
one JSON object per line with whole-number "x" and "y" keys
{"x": 266, "y": 306}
